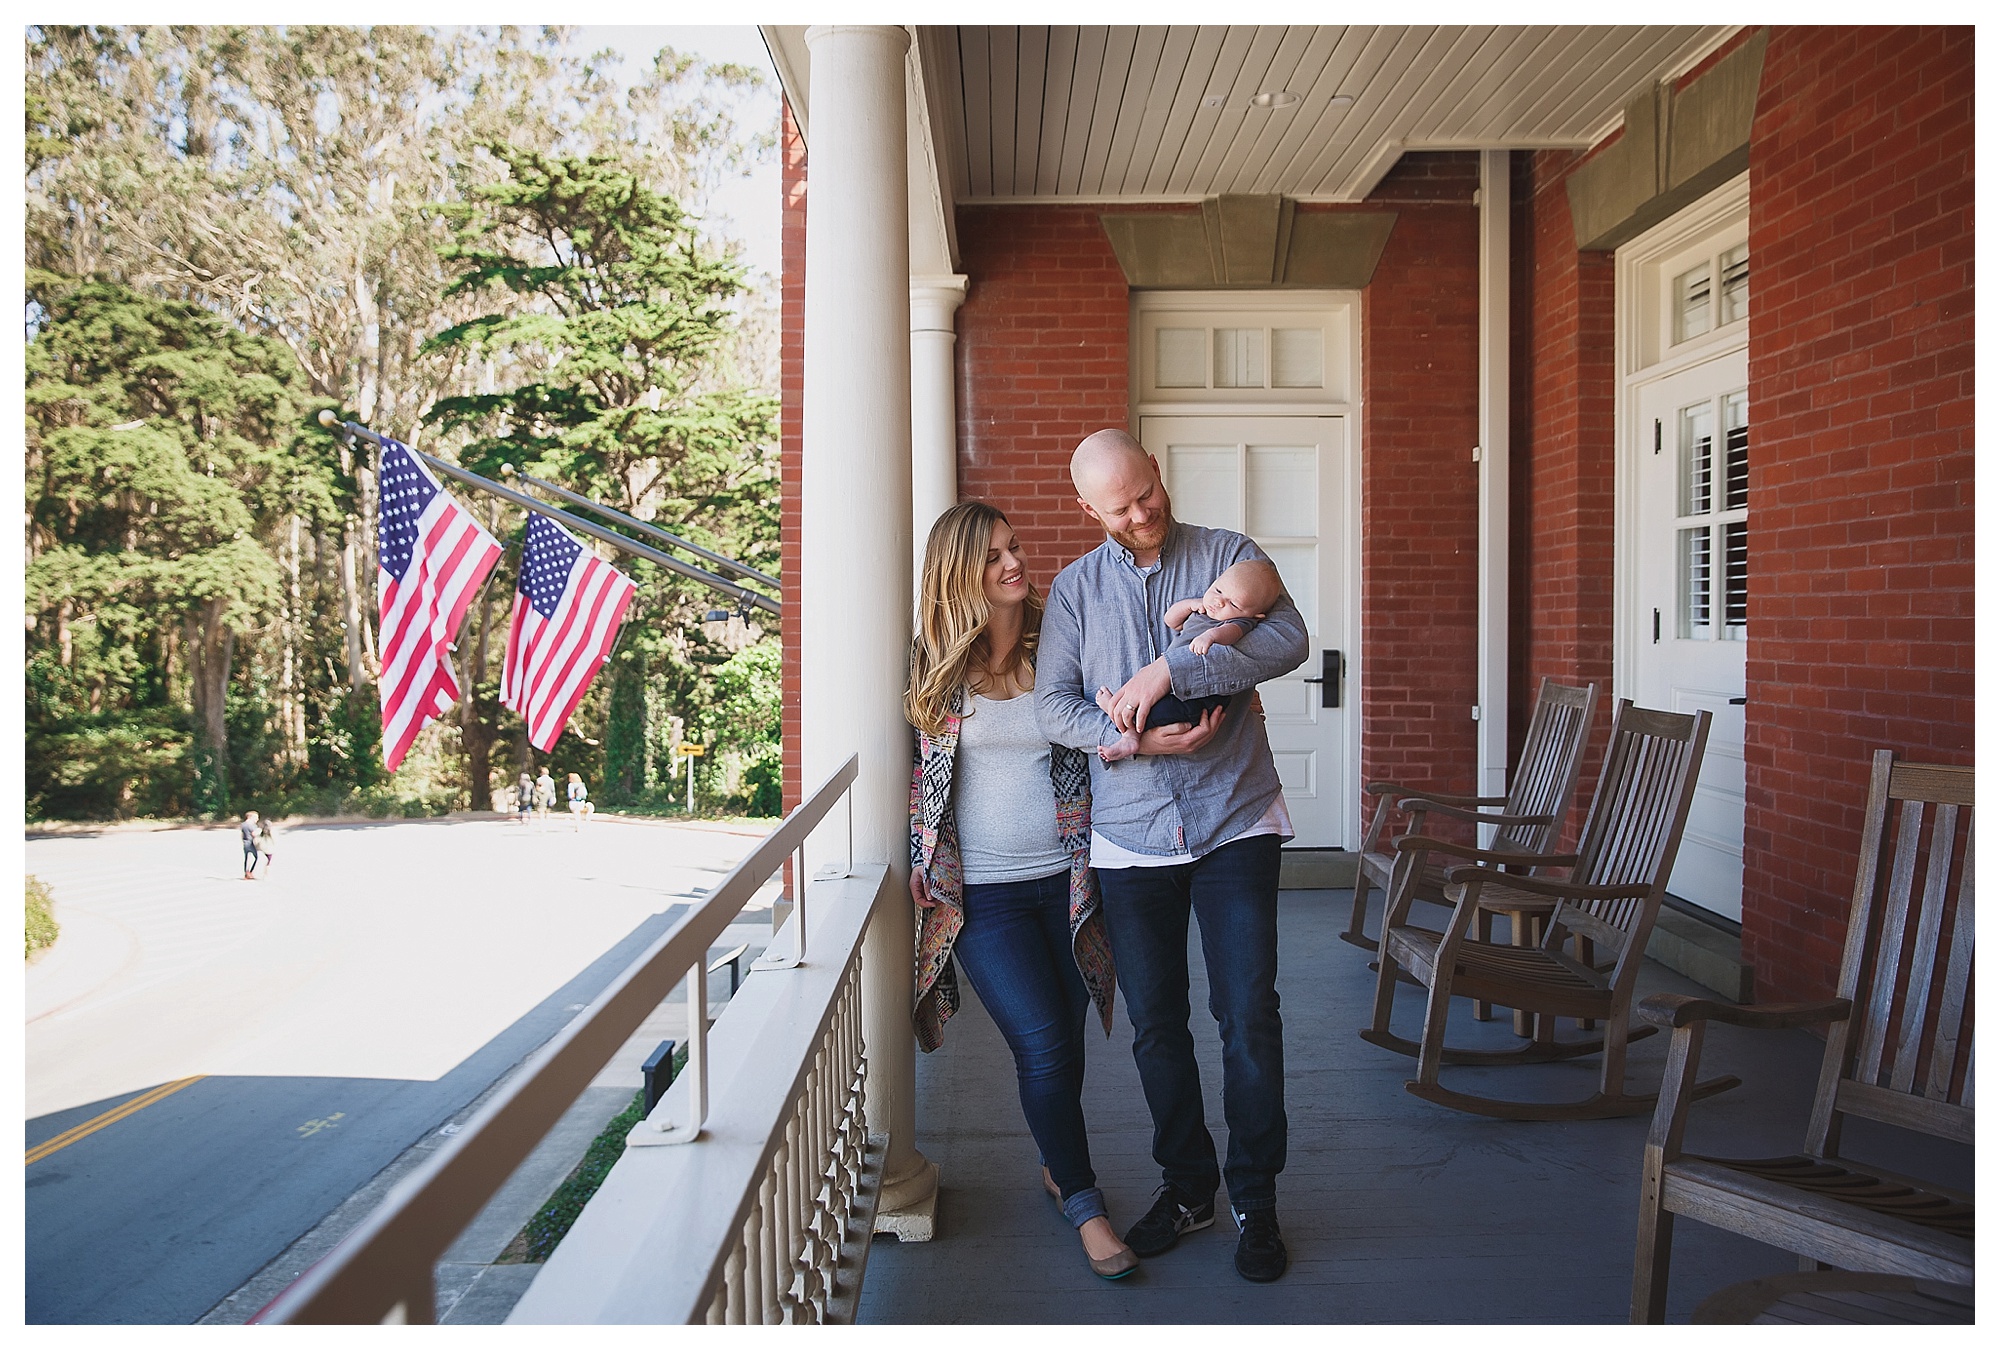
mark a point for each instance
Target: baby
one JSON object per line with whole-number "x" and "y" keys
{"x": 1230, "y": 607}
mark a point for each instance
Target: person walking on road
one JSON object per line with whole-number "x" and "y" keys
{"x": 579, "y": 800}
{"x": 524, "y": 797}
{"x": 545, "y": 798}
{"x": 1190, "y": 826}
{"x": 267, "y": 842}
{"x": 249, "y": 832}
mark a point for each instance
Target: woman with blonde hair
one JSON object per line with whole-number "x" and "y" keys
{"x": 1000, "y": 851}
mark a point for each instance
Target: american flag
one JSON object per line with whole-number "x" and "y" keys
{"x": 433, "y": 556}
{"x": 567, "y": 609}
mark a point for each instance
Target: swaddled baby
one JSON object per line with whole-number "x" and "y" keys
{"x": 1230, "y": 607}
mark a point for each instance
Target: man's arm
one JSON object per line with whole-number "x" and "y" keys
{"x": 1277, "y": 644}
{"x": 1067, "y": 713}
{"x": 1274, "y": 645}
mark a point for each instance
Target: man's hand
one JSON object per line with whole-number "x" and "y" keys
{"x": 1182, "y": 738}
{"x": 1137, "y": 696}
{"x": 919, "y": 891}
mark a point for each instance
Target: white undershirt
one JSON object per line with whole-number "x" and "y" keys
{"x": 1103, "y": 853}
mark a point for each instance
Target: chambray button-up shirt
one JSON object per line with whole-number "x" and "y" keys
{"x": 1105, "y": 618}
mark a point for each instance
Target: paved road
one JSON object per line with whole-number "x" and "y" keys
{"x": 261, "y": 1049}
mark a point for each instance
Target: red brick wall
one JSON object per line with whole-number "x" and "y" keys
{"x": 791, "y": 444}
{"x": 1419, "y": 486}
{"x": 1043, "y": 349}
{"x": 1043, "y": 358}
{"x": 1861, "y": 389}
{"x": 1563, "y": 439}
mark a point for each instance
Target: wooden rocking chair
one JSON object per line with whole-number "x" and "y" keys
{"x": 1899, "y": 1050}
{"x": 1610, "y": 898}
{"x": 1530, "y": 815}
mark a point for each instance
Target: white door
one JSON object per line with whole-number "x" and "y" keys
{"x": 1693, "y": 587}
{"x": 1282, "y": 481}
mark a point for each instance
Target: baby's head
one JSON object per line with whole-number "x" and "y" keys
{"x": 1244, "y": 591}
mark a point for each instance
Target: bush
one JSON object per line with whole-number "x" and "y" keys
{"x": 42, "y": 926}
{"x": 552, "y": 1222}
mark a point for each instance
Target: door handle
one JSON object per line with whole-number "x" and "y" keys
{"x": 1332, "y": 674}
{"x": 1738, "y": 702}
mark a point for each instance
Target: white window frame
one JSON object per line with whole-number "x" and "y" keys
{"x": 1646, "y": 269}
{"x": 1340, "y": 312}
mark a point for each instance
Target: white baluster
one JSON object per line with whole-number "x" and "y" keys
{"x": 767, "y": 1279}
{"x": 732, "y": 1278}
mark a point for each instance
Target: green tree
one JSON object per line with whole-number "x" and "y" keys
{"x": 279, "y": 178}
{"x": 163, "y": 444}
{"x": 601, "y": 292}
{"x": 741, "y": 727}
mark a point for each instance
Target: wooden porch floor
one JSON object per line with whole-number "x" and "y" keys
{"x": 1394, "y": 1210}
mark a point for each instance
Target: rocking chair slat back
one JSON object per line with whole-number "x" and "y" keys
{"x": 1550, "y": 760}
{"x": 1905, "y": 1056}
{"x": 1640, "y": 808}
{"x": 1542, "y": 785}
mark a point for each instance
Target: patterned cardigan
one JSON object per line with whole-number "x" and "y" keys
{"x": 934, "y": 848}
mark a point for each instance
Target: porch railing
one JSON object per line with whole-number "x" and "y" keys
{"x": 759, "y": 1205}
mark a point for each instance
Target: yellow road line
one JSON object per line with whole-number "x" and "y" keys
{"x": 111, "y": 1117}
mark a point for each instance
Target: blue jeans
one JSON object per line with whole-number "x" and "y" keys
{"x": 1233, "y": 894}
{"x": 1015, "y": 950}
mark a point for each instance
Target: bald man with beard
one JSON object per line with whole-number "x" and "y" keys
{"x": 1191, "y": 825}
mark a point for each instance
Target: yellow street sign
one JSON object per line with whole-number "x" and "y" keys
{"x": 690, "y": 749}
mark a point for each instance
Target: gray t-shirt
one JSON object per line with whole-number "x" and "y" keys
{"x": 1006, "y": 808}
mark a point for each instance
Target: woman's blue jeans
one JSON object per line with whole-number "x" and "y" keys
{"x": 1015, "y": 949}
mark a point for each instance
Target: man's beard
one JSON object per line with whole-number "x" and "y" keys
{"x": 1147, "y": 540}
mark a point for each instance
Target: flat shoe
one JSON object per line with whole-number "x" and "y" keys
{"x": 1116, "y": 1266}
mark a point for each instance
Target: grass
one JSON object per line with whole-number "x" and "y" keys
{"x": 543, "y": 1233}
{"x": 42, "y": 926}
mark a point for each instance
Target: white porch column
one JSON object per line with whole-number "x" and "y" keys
{"x": 1495, "y": 272}
{"x": 934, "y": 303}
{"x": 854, "y": 580}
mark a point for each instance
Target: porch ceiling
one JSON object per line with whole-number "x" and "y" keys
{"x": 1166, "y": 112}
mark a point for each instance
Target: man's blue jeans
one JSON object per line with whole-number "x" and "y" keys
{"x": 1233, "y": 894}
{"x": 1015, "y": 949}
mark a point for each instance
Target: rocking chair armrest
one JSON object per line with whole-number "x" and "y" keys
{"x": 1442, "y": 806}
{"x": 1680, "y": 1010}
{"x": 1398, "y": 791}
{"x": 1551, "y": 887}
{"x": 1496, "y": 858}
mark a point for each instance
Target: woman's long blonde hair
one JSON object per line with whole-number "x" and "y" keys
{"x": 952, "y": 612}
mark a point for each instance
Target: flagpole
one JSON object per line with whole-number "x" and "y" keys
{"x": 644, "y": 527}
{"x": 744, "y": 597}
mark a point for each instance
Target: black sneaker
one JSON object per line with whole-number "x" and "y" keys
{"x": 1164, "y": 1223}
{"x": 1260, "y": 1250}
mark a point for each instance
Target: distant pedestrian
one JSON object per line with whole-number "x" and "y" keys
{"x": 545, "y": 796}
{"x": 579, "y": 800}
{"x": 267, "y": 842}
{"x": 249, "y": 832}
{"x": 524, "y": 797}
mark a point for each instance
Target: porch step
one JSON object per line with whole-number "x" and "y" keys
{"x": 1315, "y": 869}
{"x": 1704, "y": 952}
